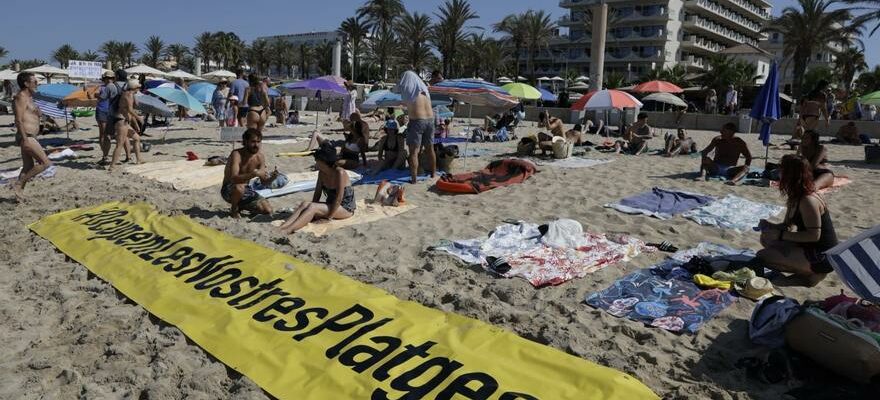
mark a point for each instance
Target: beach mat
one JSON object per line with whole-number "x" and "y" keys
{"x": 181, "y": 174}
{"x": 665, "y": 295}
{"x": 572, "y": 162}
{"x": 733, "y": 212}
{"x": 282, "y": 140}
{"x": 661, "y": 203}
{"x": 364, "y": 214}
{"x": 298, "y": 182}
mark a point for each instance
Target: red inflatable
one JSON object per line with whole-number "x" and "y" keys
{"x": 496, "y": 174}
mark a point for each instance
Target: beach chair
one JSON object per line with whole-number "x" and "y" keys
{"x": 857, "y": 262}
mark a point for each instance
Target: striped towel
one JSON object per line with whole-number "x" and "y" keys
{"x": 51, "y": 109}
{"x": 857, "y": 261}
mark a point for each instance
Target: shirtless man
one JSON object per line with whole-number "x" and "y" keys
{"x": 420, "y": 130}
{"x": 635, "y": 139}
{"x": 849, "y": 134}
{"x": 27, "y": 124}
{"x": 727, "y": 149}
{"x": 679, "y": 144}
{"x": 245, "y": 164}
{"x": 121, "y": 121}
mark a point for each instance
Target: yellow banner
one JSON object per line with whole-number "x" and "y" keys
{"x": 304, "y": 332}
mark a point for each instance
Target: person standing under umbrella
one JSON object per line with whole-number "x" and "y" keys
{"x": 27, "y": 126}
{"x": 420, "y": 130}
{"x": 219, "y": 100}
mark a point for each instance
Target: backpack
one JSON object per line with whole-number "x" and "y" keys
{"x": 767, "y": 323}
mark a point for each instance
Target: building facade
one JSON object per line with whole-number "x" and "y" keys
{"x": 644, "y": 35}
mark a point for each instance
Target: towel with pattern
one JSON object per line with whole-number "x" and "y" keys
{"x": 665, "y": 295}
{"x": 733, "y": 212}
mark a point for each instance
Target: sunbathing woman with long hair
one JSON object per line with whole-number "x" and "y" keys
{"x": 334, "y": 183}
{"x": 797, "y": 245}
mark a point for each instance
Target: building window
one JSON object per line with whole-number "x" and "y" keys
{"x": 818, "y": 56}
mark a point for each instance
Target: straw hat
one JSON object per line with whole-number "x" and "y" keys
{"x": 755, "y": 288}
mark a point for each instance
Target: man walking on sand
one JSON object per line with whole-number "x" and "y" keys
{"x": 420, "y": 131}
{"x": 27, "y": 124}
{"x": 237, "y": 89}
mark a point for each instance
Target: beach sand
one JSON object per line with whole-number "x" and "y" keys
{"x": 69, "y": 334}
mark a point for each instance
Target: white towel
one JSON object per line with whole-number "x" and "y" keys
{"x": 410, "y": 86}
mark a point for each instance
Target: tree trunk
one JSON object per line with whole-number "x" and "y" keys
{"x": 798, "y": 71}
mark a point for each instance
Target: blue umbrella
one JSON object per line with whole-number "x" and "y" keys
{"x": 443, "y": 112}
{"x": 55, "y": 91}
{"x": 180, "y": 98}
{"x": 546, "y": 95}
{"x": 202, "y": 91}
{"x": 272, "y": 92}
{"x": 154, "y": 83}
{"x": 470, "y": 84}
{"x": 152, "y": 105}
{"x": 766, "y": 107}
{"x": 385, "y": 98}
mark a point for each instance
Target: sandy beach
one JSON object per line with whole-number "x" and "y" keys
{"x": 68, "y": 334}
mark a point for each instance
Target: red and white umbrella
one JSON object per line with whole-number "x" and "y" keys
{"x": 606, "y": 100}
{"x": 657, "y": 87}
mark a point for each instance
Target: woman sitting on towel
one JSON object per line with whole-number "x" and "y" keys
{"x": 334, "y": 183}
{"x": 816, "y": 155}
{"x": 392, "y": 146}
{"x": 799, "y": 251}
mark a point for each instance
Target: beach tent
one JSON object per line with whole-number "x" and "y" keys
{"x": 142, "y": 69}
{"x": 184, "y": 75}
{"x": 47, "y": 71}
{"x": 219, "y": 74}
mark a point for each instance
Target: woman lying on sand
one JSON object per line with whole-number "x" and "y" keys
{"x": 332, "y": 181}
{"x": 801, "y": 251}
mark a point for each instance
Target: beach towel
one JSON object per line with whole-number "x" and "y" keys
{"x": 733, "y": 212}
{"x": 520, "y": 245}
{"x": 497, "y": 174}
{"x": 661, "y": 203}
{"x": 10, "y": 175}
{"x": 181, "y": 174}
{"x": 665, "y": 295}
{"x": 280, "y": 141}
{"x": 572, "y": 162}
{"x": 62, "y": 155}
{"x": 857, "y": 262}
{"x": 395, "y": 176}
{"x": 298, "y": 182}
{"x": 365, "y": 213}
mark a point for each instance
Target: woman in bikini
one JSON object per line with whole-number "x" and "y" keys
{"x": 797, "y": 245}
{"x": 816, "y": 155}
{"x": 334, "y": 183}
{"x": 256, "y": 98}
{"x": 813, "y": 106}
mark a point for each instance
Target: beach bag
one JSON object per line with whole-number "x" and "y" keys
{"x": 561, "y": 148}
{"x": 501, "y": 135}
{"x": 835, "y": 343}
{"x": 526, "y": 147}
{"x": 856, "y": 263}
{"x": 768, "y": 320}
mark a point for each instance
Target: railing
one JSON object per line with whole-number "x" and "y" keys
{"x": 725, "y": 13}
{"x": 749, "y": 7}
{"x": 720, "y": 30}
{"x": 704, "y": 44}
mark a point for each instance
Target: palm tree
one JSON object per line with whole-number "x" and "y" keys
{"x": 64, "y": 54}
{"x": 3, "y": 52}
{"x": 514, "y": 28}
{"x": 449, "y": 31}
{"x": 539, "y": 29}
{"x": 868, "y": 82}
{"x": 89, "y": 55}
{"x": 177, "y": 52}
{"x": 808, "y": 30}
{"x": 413, "y": 32}
{"x": 872, "y": 14}
{"x": 261, "y": 53}
{"x": 229, "y": 48}
{"x": 110, "y": 49}
{"x": 354, "y": 30}
{"x": 155, "y": 48}
{"x": 323, "y": 56}
{"x": 127, "y": 52}
{"x": 849, "y": 62}
{"x": 676, "y": 75}
{"x": 27, "y": 64}
{"x": 305, "y": 52}
{"x": 380, "y": 15}
{"x": 205, "y": 47}
{"x": 726, "y": 71}
{"x": 614, "y": 80}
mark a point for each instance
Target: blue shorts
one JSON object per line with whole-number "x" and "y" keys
{"x": 723, "y": 170}
{"x": 102, "y": 116}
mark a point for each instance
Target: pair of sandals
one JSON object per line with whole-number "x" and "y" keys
{"x": 664, "y": 246}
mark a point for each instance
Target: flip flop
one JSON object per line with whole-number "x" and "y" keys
{"x": 664, "y": 246}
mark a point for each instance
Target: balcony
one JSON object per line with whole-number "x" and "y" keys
{"x": 694, "y": 63}
{"x": 567, "y": 20}
{"x": 747, "y": 8}
{"x": 699, "y": 43}
{"x": 713, "y": 10}
{"x": 642, "y": 13}
{"x": 716, "y": 31}
{"x": 639, "y": 33}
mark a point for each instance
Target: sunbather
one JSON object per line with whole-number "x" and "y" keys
{"x": 332, "y": 181}
{"x": 243, "y": 165}
{"x": 679, "y": 144}
{"x": 635, "y": 139}
{"x": 545, "y": 140}
{"x": 799, "y": 251}
{"x": 817, "y": 156}
{"x": 849, "y": 134}
{"x": 728, "y": 149}
{"x": 575, "y": 135}
{"x": 392, "y": 146}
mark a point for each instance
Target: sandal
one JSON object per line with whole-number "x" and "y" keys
{"x": 497, "y": 265}
{"x": 664, "y": 246}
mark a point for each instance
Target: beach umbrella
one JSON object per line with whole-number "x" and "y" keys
{"x": 202, "y": 91}
{"x": 522, "y": 91}
{"x": 53, "y": 109}
{"x": 272, "y": 92}
{"x": 183, "y": 75}
{"x": 547, "y": 95}
{"x": 370, "y": 103}
{"x": 557, "y": 79}
{"x": 154, "y": 83}
{"x": 386, "y": 98}
{"x": 521, "y": 78}
{"x": 477, "y": 97}
{"x": 443, "y": 112}
{"x": 666, "y": 98}
{"x": 152, "y": 105}
{"x": 8, "y": 75}
{"x": 314, "y": 88}
{"x": 87, "y": 96}
{"x": 657, "y": 87}
{"x": 333, "y": 78}
{"x": 54, "y": 91}
{"x": 579, "y": 87}
{"x": 219, "y": 74}
{"x": 606, "y": 100}
{"x": 142, "y": 69}
{"x": 543, "y": 78}
{"x": 870, "y": 99}
{"x": 582, "y": 78}
{"x": 766, "y": 108}
{"x": 180, "y": 98}
{"x": 47, "y": 71}
{"x": 469, "y": 84}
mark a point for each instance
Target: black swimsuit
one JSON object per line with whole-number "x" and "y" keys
{"x": 815, "y": 251}
{"x": 348, "y": 202}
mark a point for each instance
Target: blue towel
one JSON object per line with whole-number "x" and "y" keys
{"x": 396, "y": 176}
{"x": 450, "y": 140}
{"x": 661, "y": 203}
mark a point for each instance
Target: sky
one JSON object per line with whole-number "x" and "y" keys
{"x": 34, "y": 29}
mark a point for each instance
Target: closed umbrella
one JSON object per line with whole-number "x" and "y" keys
{"x": 180, "y": 98}
{"x": 522, "y": 91}
{"x": 606, "y": 100}
{"x": 202, "y": 91}
{"x": 766, "y": 108}
{"x": 666, "y": 98}
{"x": 657, "y": 87}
